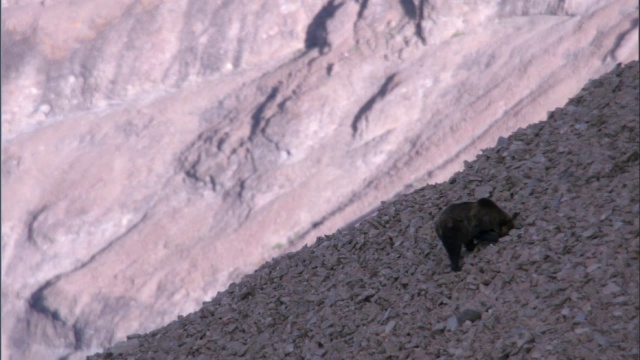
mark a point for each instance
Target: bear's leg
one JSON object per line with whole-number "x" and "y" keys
{"x": 453, "y": 247}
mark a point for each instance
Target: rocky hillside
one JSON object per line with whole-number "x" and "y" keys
{"x": 564, "y": 284}
{"x": 153, "y": 151}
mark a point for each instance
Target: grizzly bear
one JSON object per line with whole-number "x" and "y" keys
{"x": 462, "y": 223}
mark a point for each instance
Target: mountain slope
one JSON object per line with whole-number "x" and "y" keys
{"x": 564, "y": 283}
{"x": 155, "y": 151}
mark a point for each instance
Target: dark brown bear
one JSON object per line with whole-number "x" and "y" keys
{"x": 459, "y": 224}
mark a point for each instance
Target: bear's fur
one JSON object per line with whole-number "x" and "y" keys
{"x": 459, "y": 224}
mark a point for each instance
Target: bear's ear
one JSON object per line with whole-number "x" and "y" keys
{"x": 515, "y": 215}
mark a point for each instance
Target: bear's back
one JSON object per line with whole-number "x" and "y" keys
{"x": 455, "y": 219}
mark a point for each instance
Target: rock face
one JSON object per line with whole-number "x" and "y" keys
{"x": 153, "y": 152}
{"x": 565, "y": 284}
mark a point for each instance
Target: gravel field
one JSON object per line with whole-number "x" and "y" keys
{"x": 562, "y": 285}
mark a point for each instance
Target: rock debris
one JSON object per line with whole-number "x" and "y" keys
{"x": 563, "y": 284}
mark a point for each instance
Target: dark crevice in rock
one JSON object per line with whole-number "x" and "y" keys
{"x": 415, "y": 13}
{"x": 38, "y": 301}
{"x": 409, "y": 9}
{"x": 31, "y": 227}
{"x": 78, "y": 336}
{"x": 620, "y": 39}
{"x": 15, "y": 50}
{"x": 364, "y": 110}
{"x": 191, "y": 170}
{"x": 212, "y": 183}
{"x": 418, "y": 22}
{"x": 242, "y": 187}
{"x": 257, "y": 116}
{"x": 317, "y": 35}
{"x": 329, "y": 69}
{"x": 362, "y": 8}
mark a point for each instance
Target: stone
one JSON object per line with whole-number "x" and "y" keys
{"x": 452, "y": 323}
{"x": 610, "y": 288}
{"x": 469, "y": 315}
{"x": 124, "y": 346}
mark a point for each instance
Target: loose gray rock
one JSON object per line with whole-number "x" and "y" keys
{"x": 469, "y": 315}
{"x": 550, "y": 291}
{"x": 452, "y": 323}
